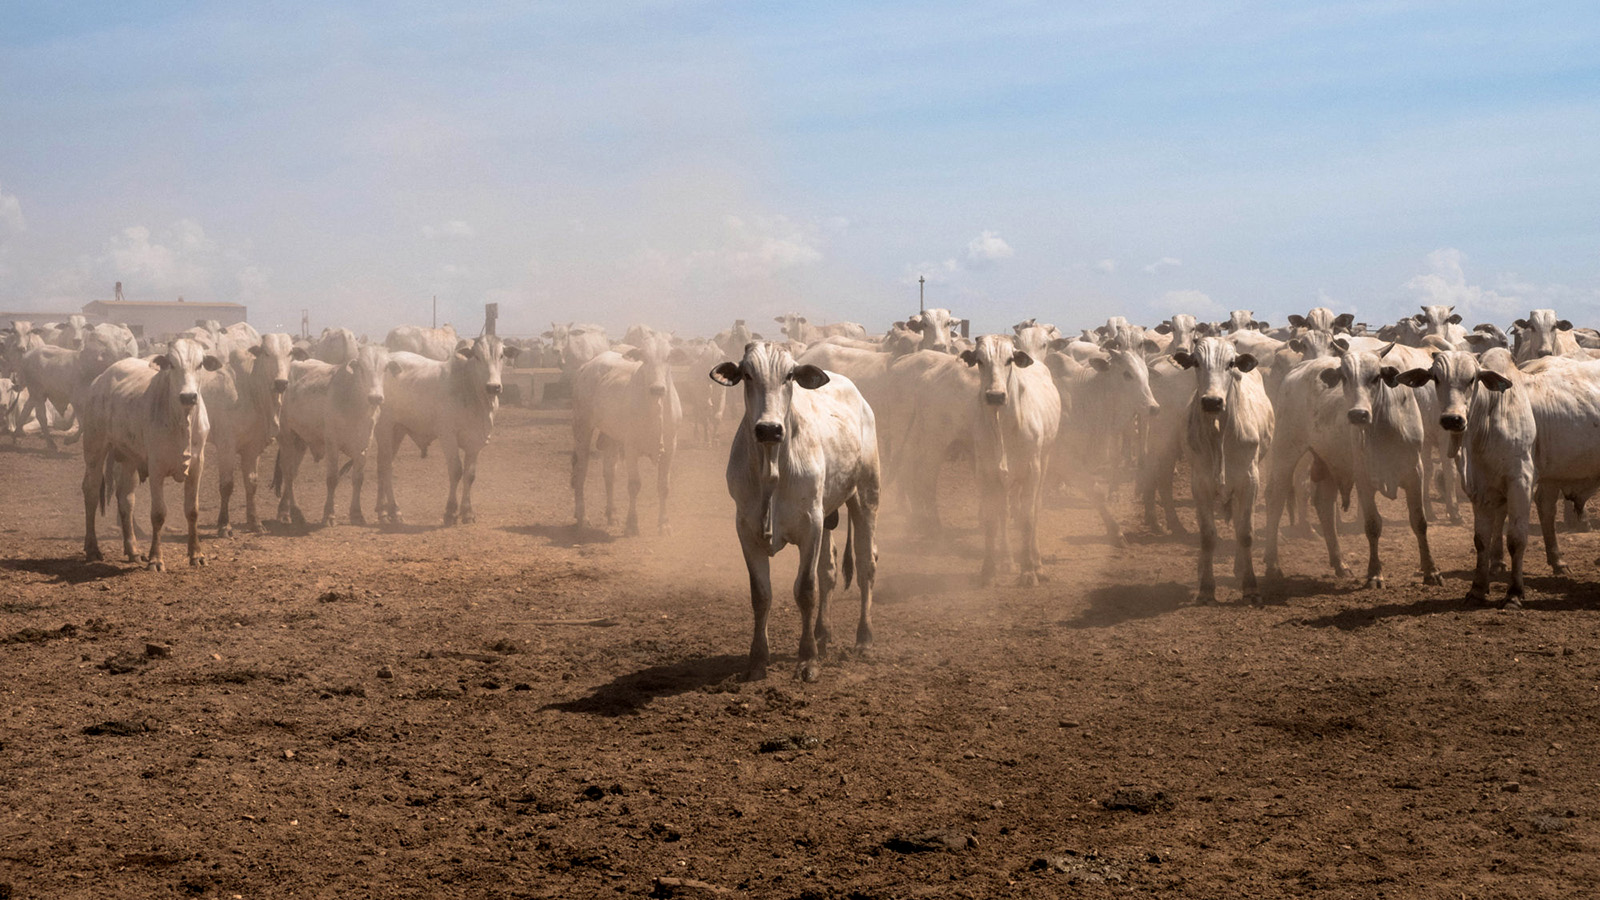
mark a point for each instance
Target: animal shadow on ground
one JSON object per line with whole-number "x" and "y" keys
{"x": 562, "y": 535}
{"x": 1553, "y": 593}
{"x": 1118, "y": 603}
{"x": 67, "y": 571}
{"x": 406, "y": 528}
{"x": 298, "y": 529}
{"x": 627, "y": 694}
{"x": 900, "y": 587}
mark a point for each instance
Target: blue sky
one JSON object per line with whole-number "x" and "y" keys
{"x": 684, "y": 163}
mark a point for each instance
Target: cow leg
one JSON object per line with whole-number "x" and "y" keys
{"x": 991, "y": 512}
{"x": 827, "y": 580}
{"x": 250, "y": 462}
{"x": 358, "y": 476}
{"x": 1279, "y": 478}
{"x": 609, "y": 458}
{"x": 191, "y": 506}
{"x": 1484, "y": 514}
{"x": 158, "y": 519}
{"x": 805, "y": 598}
{"x": 1419, "y": 525}
{"x": 93, "y": 484}
{"x": 1244, "y": 510}
{"x": 863, "y": 525}
{"x": 1324, "y": 494}
{"x": 387, "y": 440}
{"x": 41, "y": 412}
{"x": 1517, "y": 536}
{"x": 663, "y": 488}
{"x": 1206, "y": 520}
{"x": 127, "y": 478}
{"x": 759, "y": 567}
{"x": 469, "y": 474}
{"x": 1032, "y": 495}
{"x": 331, "y": 478}
{"x": 224, "y": 490}
{"x": 631, "y": 529}
{"x": 582, "y": 435}
{"x": 1547, "y": 497}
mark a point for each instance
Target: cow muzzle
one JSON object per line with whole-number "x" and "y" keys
{"x": 280, "y": 385}
{"x": 375, "y": 399}
{"x": 494, "y": 389}
{"x": 658, "y": 390}
{"x": 994, "y": 398}
{"x": 1360, "y": 416}
{"x": 1211, "y": 404}
{"x": 1451, "y": 422}
{"x": 188, "y": 399}
{"x": 769, "y": 432}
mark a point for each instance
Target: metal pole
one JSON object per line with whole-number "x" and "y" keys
{"x": 920, "y": 282}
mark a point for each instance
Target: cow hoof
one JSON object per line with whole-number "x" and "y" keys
{"x": 631, "y": 530}
{"x": 1433, "y": 578}
{"x": 809, "y": 671}
{"x": 755, "y": 673}
{"x": 1559, "y": 569}
{"x": 1204, "y": 599}
{"x": 1274, "y": 574}
{"x": 451, "y": 520}
{"x": 1512, "y": 602}
{"x": 197, "y": 561}
{"x": 1339, "y": 571}
{"x": 1374, "y": 582}
{"x": 156, "y": 565}
{"x": 468, "y": 518}
{"x": 1251, "y": 598}
{"x": 1028, "y": 579}
{"x": 327, "y": 522}
{"x": 1476, "y": 597}
{"x": 1498, "y": 568}
{"x": 224, "y": 531}
{"x": 93, "y": 556}
{"x": 664, "y": 530}
{"x": 358, "y": 519}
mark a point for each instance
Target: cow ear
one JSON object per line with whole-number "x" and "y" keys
{"x": 394, "y": 367}
{"x": 1332, "y": 377}
{"x": 1415, "y": 378}
{"x": 802, "y": 320}
{"x": 1297, "y": 345}
{"x": 1521, "y": 323}
{"x": 510, "y": 352}
{"x": 1099, "y": 364}
{"x": 678, "y": 357}
{"x": 210, "y": 362}
{"x": 915, "y": 324}
{"x": 1297, "y": 320}
{"x": 299, "y": 354}
{"x": 548, "y": 335}
{"x": 1563, "y": 325}
{"x": 1420, "y": 319}
{"x": 257, "y": 350}
{"x": 1184, "y": 359}
{"x": 809, "y": 377}
{"x": 1493, "y": 380}
{"x": 1151, "y": 346}
{"x": 1023, "y": 360}
{"x": 1340, "y": 346}
{"x": 726, "y": 374}
{"x": 1060, "y": 344}
{"x": 1164, "y": 328}
{"x": 1344, "y": 320}
{"x": 1244, "y": 362}
{"x": 161, "y": 363}
{"x": 778, "y": 319}
{"x": 1263, "y": 326}
{"x": 1389, "y": 375}
{"x": 968, "y": 357}
{"x": 1455, "y": 319}
{"x": 350, "y": 366}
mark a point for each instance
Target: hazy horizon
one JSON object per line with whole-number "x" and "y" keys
{"x": 689, "y": 163}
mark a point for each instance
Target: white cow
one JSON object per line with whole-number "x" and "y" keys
{"x": 1228, "y": 432}
{"x": 433, "y": 343}
{"x": 452, "y": 401}
{"x": 144, "y": 419}
{"x": 929, "y": 411}
{"x": 330, "y": 410}
{"x": 1101, "y": 399}
{"x": 1016, "y": 415}
{"x": 937, "y": 327}
{"x": 797, "y": 328}
{"x": 703, "y": 404}
{"x": 806, "y": 446}
{"x": 576, "y": 344}
{"x": 1542, "y": 334}
{"x": 1486, "y": 402}
{"x": 1322, "y": 319}
{"x": 244, "y": 401}
{"x": 61, "y": 377}
{"x": 629, "y": 406}
{"x": 1367, "y": 436}
{"x": 336, "y": 346}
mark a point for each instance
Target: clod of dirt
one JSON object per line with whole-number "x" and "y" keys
{"x": 666, "y": 832}
{"x": 123, "y": 663}
{"x": 334, "y": 596}
{"x": 947, "y": 840}
{"x": 596, "y": 792}
{"x": 1085, "y": 870}
{"x": 791, "y": 742}
{"x": 40, "y": 635}
{"x": 385, "y": 672}
{"x": 157, "y": 651}
{"x": 489, "y": 684}
{"x": 1552, "y": 824}
{"x": 505, "y": 646}
{"x": 117, "y": 728}
{"x": 688, "y": 887}
{"x": 522, "y": 686}
{"x": 1139, "y": 801}
{"x": 1511, "y": 787}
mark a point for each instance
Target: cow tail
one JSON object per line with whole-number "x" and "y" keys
{"x": 346, "y": 467}
{"x": 849, "y": 565}
{"x": 277, "y": 470}
{"x": 108, "y": 480}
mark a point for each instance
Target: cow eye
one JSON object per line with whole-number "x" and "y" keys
{"x": 1128, "y": 375}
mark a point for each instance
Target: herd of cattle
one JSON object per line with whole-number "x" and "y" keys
{"x": 830, "y": 416}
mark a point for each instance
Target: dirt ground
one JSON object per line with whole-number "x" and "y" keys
{"x": 421, "y": 712}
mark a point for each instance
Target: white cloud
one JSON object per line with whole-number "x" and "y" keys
{"x": 1162, "y": 264}
{"x": 1445, "y": 283}
{"x": 1106, "y": 266}
{"x": 11, "y": 220}
{"x": 988, "y": 248}
{"x": 746, "y": 249}
{"x": 936, "y": 272}
{"x": 1196, "y": 303}
{"x": 455, "y": 228}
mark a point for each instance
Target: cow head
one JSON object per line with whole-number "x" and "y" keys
{"x": 995, "y": 355}
{"x": 1184, "y": 329}
{"x": 179, "y": 364}
{"x": 1217, "y": 363}
{"x": 901, "y": 339}
{"x": 366, "y": 372}
{"x": 477, "y": 364}
{"x": 1436, "y": 320}
{"x": 1360, "y": 372}
{"x": 1312, "y": 345}
{"x": 652, "y": 350}
{"x": 272, "y": 358}
{"x": 936, "y": 328}
{"x": 769, "y": 375}
{"x": 1456, "y": 375}
{"x": 1127, "y": 377}
{"x": 95, "y": 355}
{"x": 1537, "y": 333}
